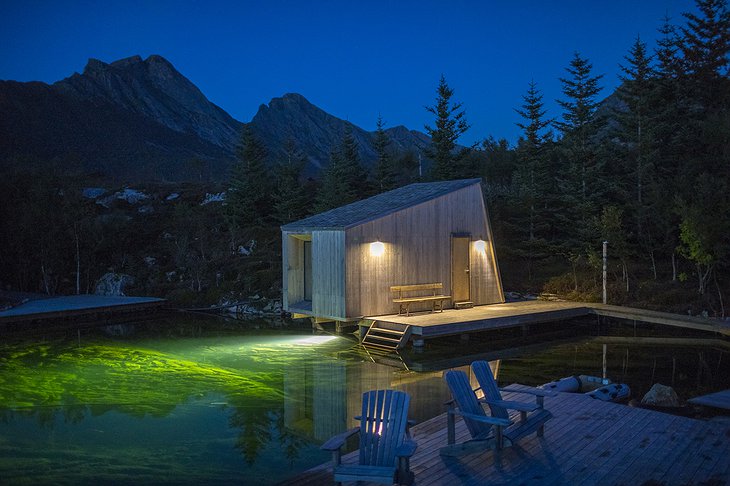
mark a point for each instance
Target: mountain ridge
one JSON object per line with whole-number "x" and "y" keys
{"x": 141, "y": 119}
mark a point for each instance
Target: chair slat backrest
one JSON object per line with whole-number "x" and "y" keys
{"x": 382, "y": 426}
{"x": 488, "y": 384}
{"x": 467, "y": 402}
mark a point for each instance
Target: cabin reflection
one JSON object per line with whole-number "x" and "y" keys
{"x": 323, "y": 398}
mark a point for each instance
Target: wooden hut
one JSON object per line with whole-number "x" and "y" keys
{"x": 342, "y": 264}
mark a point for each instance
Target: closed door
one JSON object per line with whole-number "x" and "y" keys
{"x": 460, "y": 268}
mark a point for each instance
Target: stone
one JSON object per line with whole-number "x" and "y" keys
{"x": 113, "y": 283}
{"x": 661, "y": 396}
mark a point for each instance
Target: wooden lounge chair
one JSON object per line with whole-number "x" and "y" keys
{"x": 532, "y": 415}
{"x": 486, "y": 431}
{"x": 385, "y": 447}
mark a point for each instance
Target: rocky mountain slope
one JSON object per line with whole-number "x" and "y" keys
{"x": 140, "y": 119}
{"x": 316, "y": 131}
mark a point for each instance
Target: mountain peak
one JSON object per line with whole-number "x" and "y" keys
{"x": 127, "y": 61}
{"x": 295, "y": 97}
{"x": 94, "y": 66}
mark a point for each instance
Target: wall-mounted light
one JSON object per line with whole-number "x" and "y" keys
{"x": 377, "y": 248}
{"x": 480, "y": 246}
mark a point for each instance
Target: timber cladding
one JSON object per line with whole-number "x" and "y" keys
{"x": 328, "y": 273}
{"x": 418, "y": 250}
{"x": 341, "y": 278}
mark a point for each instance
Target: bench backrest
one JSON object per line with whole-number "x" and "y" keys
{"x": 411, "y": 288}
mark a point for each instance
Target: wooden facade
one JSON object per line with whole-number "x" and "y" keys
{"x": 429, "y": 235}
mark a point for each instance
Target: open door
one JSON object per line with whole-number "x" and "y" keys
{"x": 460, "y": 282}
{"x": 308, "y": 270}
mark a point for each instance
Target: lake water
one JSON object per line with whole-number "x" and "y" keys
{"x": 202, "y": 400}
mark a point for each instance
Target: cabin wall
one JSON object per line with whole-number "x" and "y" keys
{"x": 418, "y": 250}
{"x": 328, "y": 274}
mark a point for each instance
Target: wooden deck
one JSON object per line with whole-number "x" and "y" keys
{"x": 76, "y": 307}
{"x": 720, "y": 399}
{"x": 450, "y": 322}
{"x": 587, "y": 442}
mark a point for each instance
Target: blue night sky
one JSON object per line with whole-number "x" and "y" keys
{"x": 352, "y": 59}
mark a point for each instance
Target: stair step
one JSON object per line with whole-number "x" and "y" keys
{"x": 463, "y": 305}
{"x": 381, "y": 346}
{"x": 389, "y": 331}
{"x": 381, "y": 338}
{"x": 385, "y": 339}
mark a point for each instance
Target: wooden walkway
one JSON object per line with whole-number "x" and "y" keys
{"x": 77, "y": 307}
{"x": 587, "y": 442}
{"x": 720, "y": 399}
{"x": 451, "y": 322}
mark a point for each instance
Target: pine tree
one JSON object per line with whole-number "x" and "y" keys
{"x": 667, "y": 117}
{"x": 354, "y": 174}
{"x": 384, "y": 173}
{"x": 705, "y": 48}
{"x": 531, "y": 181}
{"x": 706, "y": 43}
{"x": 248, "y": 199}
{"x": 333, "y": 189}
{"x": 581, "y": 176}
{"x": 634, "y": 130}
{"x": 704, "y": 162}
{"x": 291, "y": 199}
{"x": 449, "y": 125}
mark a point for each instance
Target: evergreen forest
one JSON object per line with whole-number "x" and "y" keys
{"x": 645, "y": 168}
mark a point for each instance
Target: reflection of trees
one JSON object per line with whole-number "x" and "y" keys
{"x": 290, "y": 442}
{"x": 255, "y": 424}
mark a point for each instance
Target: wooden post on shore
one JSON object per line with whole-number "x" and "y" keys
{"x": 605, "y": 256}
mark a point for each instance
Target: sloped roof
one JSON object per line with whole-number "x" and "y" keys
{"x": 378, "y": 206}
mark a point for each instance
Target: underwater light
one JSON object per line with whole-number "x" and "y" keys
{"x": 377, "y": 248}
{"x": 314, "y": 340}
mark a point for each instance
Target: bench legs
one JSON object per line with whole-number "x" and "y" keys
{"x": 404, "y": 308}
{"x": 437, "y": 305}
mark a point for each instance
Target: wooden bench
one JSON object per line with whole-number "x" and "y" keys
{"x": 437, "y": 300}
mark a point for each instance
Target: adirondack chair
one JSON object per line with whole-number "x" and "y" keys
{"x": 385, "y": 447}
{"x": 532, "y": 415}
{"x": 486, "y": 431}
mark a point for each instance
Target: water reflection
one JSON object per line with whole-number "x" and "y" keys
{"x": 158, "y": 403}
{"x": 195, "y": 402}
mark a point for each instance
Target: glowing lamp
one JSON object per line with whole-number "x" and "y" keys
{"x": 480, "y": 246}
{"x": 377, "y": 248}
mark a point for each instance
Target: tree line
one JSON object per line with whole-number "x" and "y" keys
{"x": 646, "y": 169}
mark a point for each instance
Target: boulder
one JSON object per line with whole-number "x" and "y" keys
{"x": 661, "y": 396}
{"x": 113, "y": 283}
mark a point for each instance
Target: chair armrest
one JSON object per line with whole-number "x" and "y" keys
{"x": 338, "y": 441}
{"x": 511, "y": 405}
{"x": 530, "y": 391}
{"x": 406, "y": 449}
{"x": 483, "y": 418}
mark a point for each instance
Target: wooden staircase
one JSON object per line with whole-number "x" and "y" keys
{"x": 387, "y": 336}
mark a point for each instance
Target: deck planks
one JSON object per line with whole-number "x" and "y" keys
{"x": 586, "y": 442}
{"x": 719, "y": 399}
{"x": 77, "y": 306}
{"x": 513, "y": 314}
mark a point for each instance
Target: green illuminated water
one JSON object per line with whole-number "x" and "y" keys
{"x": 201, "y": 401}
